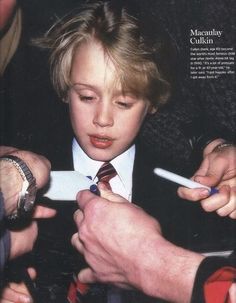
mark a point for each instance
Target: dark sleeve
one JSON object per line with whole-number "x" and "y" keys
{"x": 214, "y": 277}
{"x": 4, "y": 238}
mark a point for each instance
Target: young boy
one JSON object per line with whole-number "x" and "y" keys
{"x": 108, "y": 72}
{"x": 111, "y": 81}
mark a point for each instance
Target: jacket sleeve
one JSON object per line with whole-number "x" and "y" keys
{"x": 4, "y": 238}
{"x": 213, "y": 280}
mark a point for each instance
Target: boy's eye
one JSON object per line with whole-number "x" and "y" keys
{"x": 124, "y": 104}
{"x": 86, "y": 98}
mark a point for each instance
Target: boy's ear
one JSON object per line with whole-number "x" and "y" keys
{"x": 152, "y": 110}
{"x": 66, "y": 99}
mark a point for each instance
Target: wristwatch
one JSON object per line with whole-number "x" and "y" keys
{"x": 25, "y": 203}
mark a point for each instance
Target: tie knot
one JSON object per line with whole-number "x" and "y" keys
{"x": 106, "y": 173}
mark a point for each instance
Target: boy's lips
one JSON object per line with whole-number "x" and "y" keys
{"x": 101, "y": 141}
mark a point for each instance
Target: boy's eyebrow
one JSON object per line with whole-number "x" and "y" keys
{"x": 115, "y": 91}
{"x": 83, "y": 84}
{"x": 77, "y": 86}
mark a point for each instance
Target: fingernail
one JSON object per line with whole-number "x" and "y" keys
{"x": 102, "y": 186}
{"x": 204, "y": 192}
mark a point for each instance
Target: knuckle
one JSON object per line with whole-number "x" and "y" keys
{"x": 221, "y": 212}
{"x": 233, "y": 215}
{"x": 207, "y": 207}
{"x": 82, "y": 232}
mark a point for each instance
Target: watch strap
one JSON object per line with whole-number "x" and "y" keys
{"x": 28, "y": 190}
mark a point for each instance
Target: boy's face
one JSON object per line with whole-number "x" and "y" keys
{"x": 105, "y": 120}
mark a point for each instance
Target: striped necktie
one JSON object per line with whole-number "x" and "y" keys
{"x": 80, "y": 292}
{"x": 106, "y": 173}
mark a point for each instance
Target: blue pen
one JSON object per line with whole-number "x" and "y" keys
{"x": 183, "y": 181}
{"x": 94, "y": 189}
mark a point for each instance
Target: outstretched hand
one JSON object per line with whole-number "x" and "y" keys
{"x": 218, "y": 169}
{"x": 109, "y": 256}
{"x": 123, "y": 245}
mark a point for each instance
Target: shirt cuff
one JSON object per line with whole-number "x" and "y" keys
{"x": 214, "y": 277}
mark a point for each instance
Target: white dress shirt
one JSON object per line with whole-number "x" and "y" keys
{"x": 122, "y": 183}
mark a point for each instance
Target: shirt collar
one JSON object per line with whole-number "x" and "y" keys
{"x": 83, "y": 163}
{"x": 123, "y": 163}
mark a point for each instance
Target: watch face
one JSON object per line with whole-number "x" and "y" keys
{"x": 26, "y": 202}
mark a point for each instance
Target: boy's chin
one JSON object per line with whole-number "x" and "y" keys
{"x": 101, "y": 155}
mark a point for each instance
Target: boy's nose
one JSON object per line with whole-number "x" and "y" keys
{"x": 103, "y": 116}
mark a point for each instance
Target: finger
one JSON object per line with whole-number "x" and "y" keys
{"x": 193, "y": 194}
{"x": 202, "y": 170}
{"x": 32, "y": 273}
{"x": 232, "y": 293}
{"x": 19, "y": 243}
{"x": 109, "y": 195}
{"x": 230, "y": 206}
{"x": 76, "y": 242}
{"x": 86, "y": 275}
{"x": 78, "y": 217}
{"x": 16, "y": 293}
{"x": 213, "y": 174}
{"x": 123, "y": 285}
{"x": 233, "y": 215}
{"x": 216, "y": 201}
{"x": 211, "y": 178}
{"x": 6, "y": 150}
{"x": 83, "y": 197}
{"x": 231, "y": 182}
{"x": 43, "y": 212}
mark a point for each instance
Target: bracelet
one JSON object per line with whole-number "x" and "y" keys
{"x": 221, "y": 146}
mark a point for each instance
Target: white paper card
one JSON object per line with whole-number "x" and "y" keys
{"x": 64, "y": 185}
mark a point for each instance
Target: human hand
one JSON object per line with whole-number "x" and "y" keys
{"x": 11, "y": 181}
{"x": 6, "y": 11}
{"x": 17, "y": 292}
{"x": 109, "y": 250}
{"x": 232, "y": 293}
{"x": 123, "y": 245}
{"x": 38, "y": 164}
{"x": 218, "y": 169}
{"x": 22, "y": 241}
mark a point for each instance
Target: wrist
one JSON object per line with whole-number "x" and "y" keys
{"x": 26, "y": 196}
{"x": 171, "y": 268}
{"x": 10, "y": 185}
{"x": 212, "y": 145}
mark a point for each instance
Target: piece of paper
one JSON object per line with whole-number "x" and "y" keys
{"x": 64, "y": 185}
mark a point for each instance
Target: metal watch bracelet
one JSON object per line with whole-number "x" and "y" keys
{"x": 27, "y": 194}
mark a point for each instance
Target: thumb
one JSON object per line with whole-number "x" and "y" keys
{"x": 209, "y": 174}
{"x": 109, "y": 195}
{"x": 43, "y": 212}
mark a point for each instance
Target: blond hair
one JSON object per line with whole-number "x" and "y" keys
{"x": 119, "y": 33}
